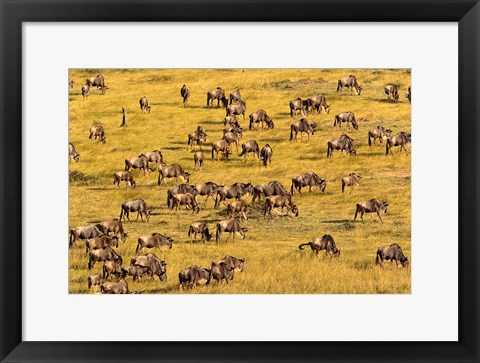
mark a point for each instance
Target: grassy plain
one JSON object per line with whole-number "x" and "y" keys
{"x": 274, "y": 264}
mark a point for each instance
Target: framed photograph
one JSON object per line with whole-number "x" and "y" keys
{"x": 241, "y": 182}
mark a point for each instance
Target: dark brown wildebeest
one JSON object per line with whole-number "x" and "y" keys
{"x": 302, "y": 126}
{"x": 409, "y": 94}
{"x": 98, "y": 82}
{"x": 95, "y": 280}
{"x": 138, "y": 162}
{"x": 349, "y": 82}
{"x": 185, "y": 93}
{"x": 235, "y": 97}
{"x": 393, "y": 253}
{"x": 171, "y": 171}
{"x": 266, "y": 155}
{"x": 348, "y": 118}
{"x": 180, "y": 189}
{"x": 84, "y": 232}
{"x": 126, "y": 176}
{"x": 114, "y": 287}
{"x": 401, "y": 139}
{"x": 221, "y": 271}
{"x": 309, "y": 179}
{"x": 97, "y": 131}
{"x": 114, "y": 225}
{"x": 237, "y": 206}
{"x": 136, "y": 205}
{"x": 199, "y": 228}
{"x": 352, "y": 180}
{"x": 194, "y": 275}
{"x": 344, "y": 142}
{"x": 391, "y": 89}
{"x": 198, "y": 160}
{"x": 154, "y": 240}
{"x": 231, "y": 120}
{"x": 110, "y": 268}
{"x": 371, "y": 206}
{"x": 156, "y": 265}
{"x": 250, "y": 147}
{"x": 186, "y": 199}
{"x": 71, "y": 82}
{"x": 279, "y": 201}
{"x": 232, "y": 128}
{"x": 236, "y": 191}
{"x": 85, "y": 92}
{"x": 103, "y": 254}
{"x": 268, "y": 189}
{"x": 221, "y": 146}
{"x": 238, "y": 109}
{"x": 318, "y": 103}
{"x": 155, "y": 156}
{"x": 144, "y": 107}
{"x": 216, "y": 94}
{"x": 325, "y": 242}
{"x": 100, "y": 242}
{"x": 236, "y": 263}
{"x": 297, "y": 105}
{"x": 231, "y": 226}
{"x": 136, "y": 271}
{"x": 209, "y": 189}
{"x": 258, "y": 117}
{"x": 72, "y": 153}
{"x": 232, "y": 137}
{"x": 197, "y": 137}
{"x": 379, "y": 133}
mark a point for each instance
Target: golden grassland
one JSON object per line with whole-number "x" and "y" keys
{"x": 274, "y": 264}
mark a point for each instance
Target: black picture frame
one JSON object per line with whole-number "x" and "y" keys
{"x": 13, "y": 13}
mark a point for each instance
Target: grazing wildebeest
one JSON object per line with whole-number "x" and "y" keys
{"x": 302, "y": 126}
{"x": 237, "y": 206}
{"x": 72, "y": 153}
{"x": 110, "y": 268}
{"x": 393, "y": 253}
{"x": 95, "y": 280}
{"x": 198, "y": 160}
{"x": 186, "y": 199}
{"x": 100, "y": 242}
{"x": 209, "y": 189}
{"x": 232, "y": 137}
{"x": 198, "y": 137}
{"x": 194, "y": 275}
{"x": 232, "y": 128}
{"x": 379, "y": 133}
{"x": 231, "y": 226}
{"x": 199, "y": 228}
{"x": 371, "y": 206}
{"x": 235, "y": 97}
{"x": 231, "y": 120}
{"x": 71, "y": 82}
{"x": 348, "y": 118}
{"x": 154, "y": 240}
{"x": 250, "y": 147}
{"x": 268, "y": 189}
{"x": 114, "y": 225}
{"x": 260, "y": 116}
{"x": 351, "y": 181}
{"x": 137, "y": 162}
{"x": 103, "y": 254}
{"x": 236, "y": 191}
{"x": 392, "y": 89}
{"x": 297, "y": 105}
{"x": 114, "y": 287}
{"x": 98, "y": 82}
{"x": 97, "y": 131}
{"x": 171, "y": 171}
{"x": 236, "y": 263}
{"x": 318, "y": 103}
{"x": 266, "y": 155}
{"x": 279, "y": 201}
{"x": 216, "y": 94}
{"x": 238, "y": 109}
{"x": 156, "y": 265}
{"x": 309, "y": 179}
{"x": 136, "y": 271}
{"x": 325, "y": 242}
{"x": 344, "y": 142}
{"x": 155, "y": 156}
{"x": 180, "y": 189}
{"x": 221, "y": 271}
{"x": 144, "y": 107}
{"x": 126, "y": 176}
{"x": 409, "y": 94}
{"x": 349, "y": 82}
{"x": 401, "y": 139}
{"x": 221, "y": 146}
{"x": 84, "y": 232}
{"x": 136, "y": 205}
{"x": 85, "y": 92}
{"x": 185, "y": 93}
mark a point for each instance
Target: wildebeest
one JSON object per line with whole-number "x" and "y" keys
{"x": 233, "y": 128}
{"x": 297, "y": 105}
{"x": 236, "y": 191}
{"x": 171, "y": 171}
{"x": 156, "y": 265}
{"x": 136, "y": 271}
{"x": 103, "y": 254}
{"x": 198, "y": 137}
{"x": 237, "y": 109}
{"x": 136, "y": 205}
{"x": 84, "y": 232}
{"x": 216, "y": 94}
{"x": 95, "y": 280}
{"x": 325, "y": 242}
{"x": 279, "y": 201}
{"x": 180, "y": 189}
{"x": 144, "y": 107}
{"x": 235, "y": 97}
{"x": 349, "y": 82}
{"x": 318, "y": 103}
{"x": 185, "y": 93}
{"x": 100, "y": 242}
{"x": 351, "y": 181}
{"x": 114, "y": 225}
{"x": 111, "y": 268}
{"x": 209, "y": 189}
{"x": 409, "y": 94}
{"x": 221, "y": 146}
{"x": 231, "y": 226}
{"x": 231, "y": 120}
{"x": 186, "y": 199}
{"x": 71, "y": 82}
{"x": 250, "y": 146}
{"x": 126, "y": 176}
{"x": 379, "y": 133}
{"x": 85, "y": 92}
{"x": 97, "y": 131}
{"x": 393, "y": 253}
{"x": 371, "y": 206}
{"x": 391, "y": 90}
{"x": 114, "y": 287}
{"x": 236, "y": 263}
{"x": 401, "y": 139}
{"x": 232, "y": 137}
{"x": 137, "y": 162}
{"x": 98, "y": 82}
{"x": 72, "y": 153}
{"x": 302, "y": 126}
{"x": 221, "y": 271}
{"x": 155, "y": 156}
{"x": 199, "y": 228}
{"x": 258, "y": 117}
{"x": 266, "y": 155}
{"x": 154, "y": 240}
{"x": 198, "y": 160}
{"x": 194, "y": 275}
{"x": 237, "y": 206}
{"x": 309, "y": 179}
{"x": 344, "y": 142}
{"x": 268, "y": 189}
{"x": 348, "y": 118}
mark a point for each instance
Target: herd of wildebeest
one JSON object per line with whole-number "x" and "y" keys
{"x": 102, "y": 238}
